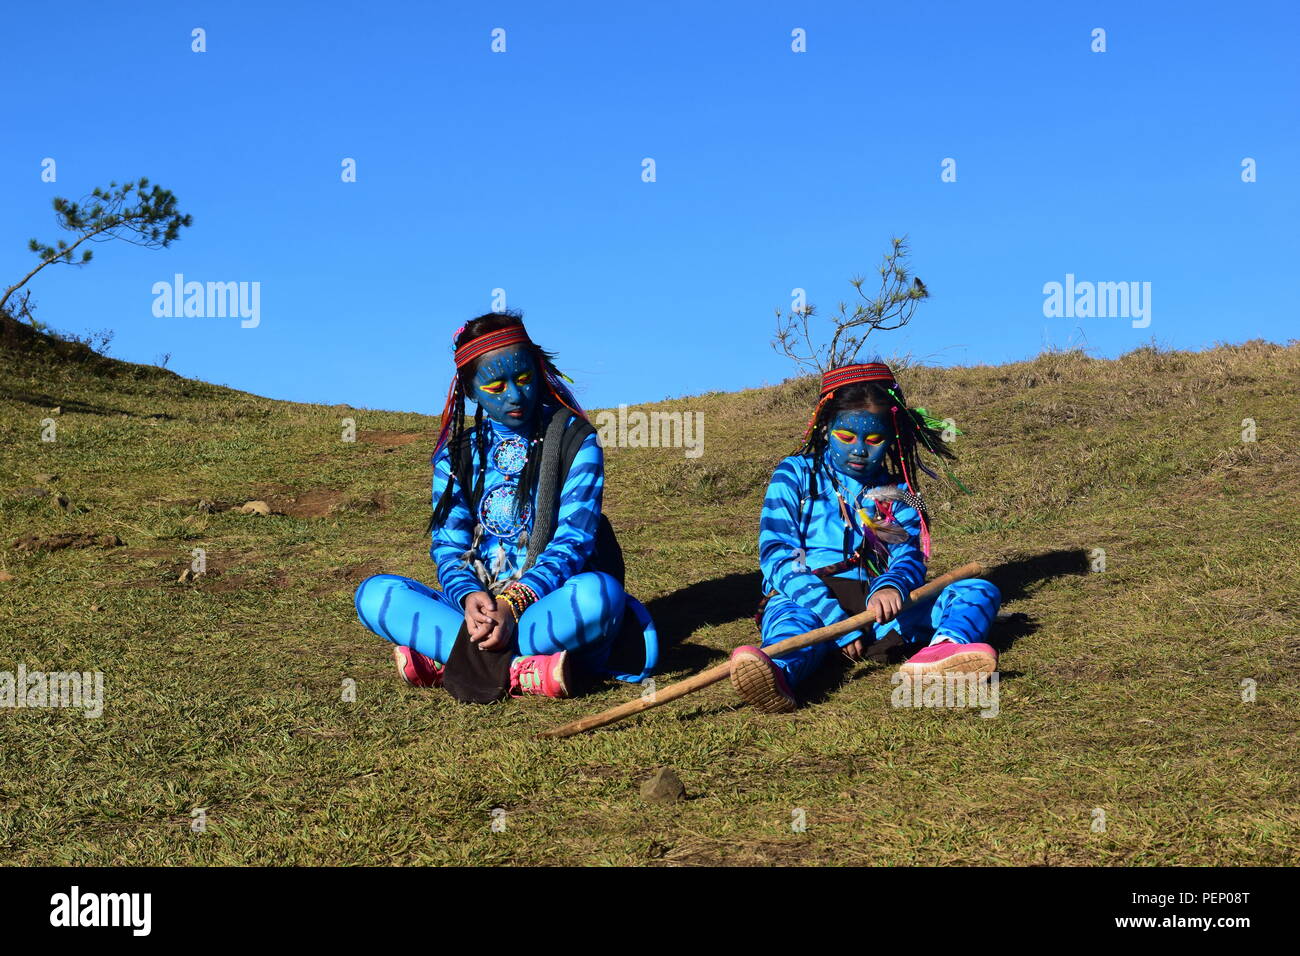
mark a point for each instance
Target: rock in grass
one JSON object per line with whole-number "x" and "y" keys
{"x": 6, "y": 576}
{"x": 46, "y": 478}
{"x": 664, "y": 787}
{"x": 255, "y": 508}
{"x": 68, "y": 507}
{"x": 34, "y": 492}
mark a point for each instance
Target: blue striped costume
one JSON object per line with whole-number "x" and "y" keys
{"x": 797, "y": 534}
{"x": 579, "y": 611}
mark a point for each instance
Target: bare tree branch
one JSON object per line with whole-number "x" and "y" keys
{"x": 890, "y": 309}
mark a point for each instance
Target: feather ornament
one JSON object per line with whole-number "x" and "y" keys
{"x": 892, "y": 493}
{"x": 887, "y": 531}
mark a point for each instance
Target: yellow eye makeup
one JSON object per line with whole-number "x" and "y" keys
{"x": 524, "y": 378}
{"x": 494, "y": 387}
{"x": 849, "y": 438}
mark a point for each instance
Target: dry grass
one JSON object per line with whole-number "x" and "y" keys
{"x": 1120, "y": 690}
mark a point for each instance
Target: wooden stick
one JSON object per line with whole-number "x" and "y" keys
{"x": 722, "y": 671}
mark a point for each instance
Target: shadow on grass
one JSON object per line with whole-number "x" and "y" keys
{"x": 1019, "y": 579}
{"x": 704, "y": 603}
{"x": 40, "y": 400}
{"x": 1015, "y": 579}
{"x": 735, "y": 596}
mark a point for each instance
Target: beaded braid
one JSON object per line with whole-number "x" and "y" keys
{"x": 457, "y": 440}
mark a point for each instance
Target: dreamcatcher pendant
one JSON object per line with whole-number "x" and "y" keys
{"x": 510, "y": 456}
{"x": 496, "y": 512}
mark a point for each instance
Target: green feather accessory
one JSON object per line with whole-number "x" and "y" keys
{"x": 935, "y": 423}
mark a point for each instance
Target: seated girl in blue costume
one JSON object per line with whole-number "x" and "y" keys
{"x": 529, "y": 572}
{"x": 844, "y": 529}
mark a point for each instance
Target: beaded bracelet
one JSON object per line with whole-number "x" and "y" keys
{"x": 522, "y": 595}
{"x": 514, "y": 611}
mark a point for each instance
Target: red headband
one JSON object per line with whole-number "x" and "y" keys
{"x": 487, "y": 343}
{"x": 847, "y": 375}
{"x": 476, "y": 348}
{"x": 852, "y": 374}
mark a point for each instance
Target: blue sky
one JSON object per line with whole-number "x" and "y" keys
{"x": 775, "y": 170}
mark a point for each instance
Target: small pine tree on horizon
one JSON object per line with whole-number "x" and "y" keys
{"x": 132, "y": 212}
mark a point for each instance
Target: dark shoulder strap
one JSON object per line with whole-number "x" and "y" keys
{"x": 554, "y": 471}
{"x": 608, "y": 554}
{"x": 574, "y": 436}
{"x": 564, "y": 441}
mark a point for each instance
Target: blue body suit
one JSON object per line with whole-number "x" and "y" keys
{"x": 797, "y": 534}
{"x": 578, "y": 611}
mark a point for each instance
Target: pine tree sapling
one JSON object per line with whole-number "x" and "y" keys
{"x": 133, "y": 212}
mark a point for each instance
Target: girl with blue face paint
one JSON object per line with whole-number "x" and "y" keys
{"x": 859, "y": 440}
{"x": 505, "y": 385}
{"x": 844, "y": 529}
{"x": 527, "y": 563}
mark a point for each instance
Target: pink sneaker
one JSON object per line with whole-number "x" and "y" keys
{"x": 545, "y": 675}
{"x": 950, "y": 657}
{"x": 417, "y": 669}
{"x": 759, "y": 682}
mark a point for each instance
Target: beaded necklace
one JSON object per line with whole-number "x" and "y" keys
{"x": 496, "y": 511}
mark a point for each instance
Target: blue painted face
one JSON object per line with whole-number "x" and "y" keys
{"x": 506, "y": 387}
{"x": 858, "y": 441}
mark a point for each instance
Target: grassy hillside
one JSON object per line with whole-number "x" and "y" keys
{"x": 1121, "y": 690}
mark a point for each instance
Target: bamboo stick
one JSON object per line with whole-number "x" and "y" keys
{"x": 721, "y": 671}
